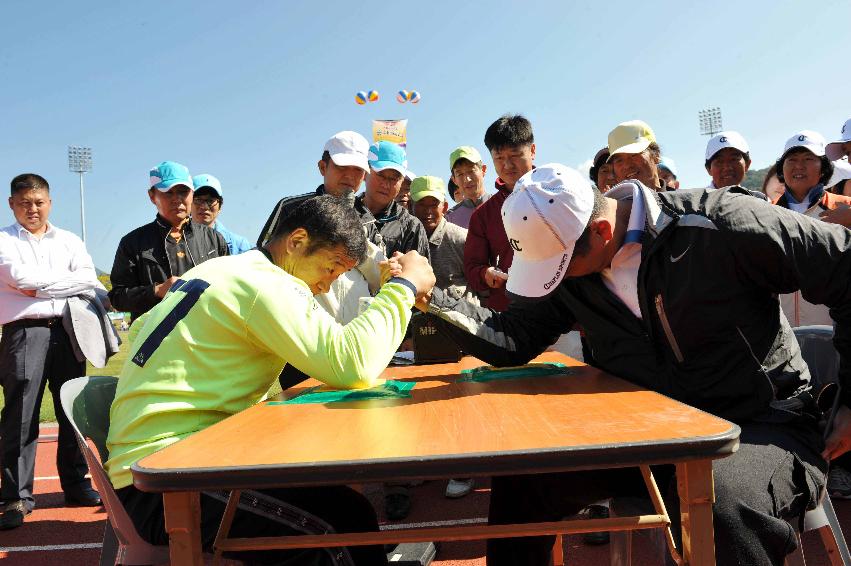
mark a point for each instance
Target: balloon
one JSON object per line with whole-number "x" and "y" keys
{"x": 372, "y": 95}
{"x": 414, "y": 96}
{"x": 402, "y": 96}
{"x": 360, "y": 97}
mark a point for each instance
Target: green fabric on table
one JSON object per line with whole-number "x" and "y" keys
{"x": 389, "y": 390}
{"x": 490, "y": 373}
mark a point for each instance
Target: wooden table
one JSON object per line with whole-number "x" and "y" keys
{"x": 587, "y": 420}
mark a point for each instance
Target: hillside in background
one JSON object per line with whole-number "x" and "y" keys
{"x": 754, "y": 178}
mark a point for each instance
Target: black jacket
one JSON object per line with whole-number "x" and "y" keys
{"x": 400, "y": 230}
{"x": 712, "y": 333}
{"x": 287, "y": 205}
{"x": 141, "y": 262}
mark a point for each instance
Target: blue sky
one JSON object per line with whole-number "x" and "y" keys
{"x": 250, "y": 91}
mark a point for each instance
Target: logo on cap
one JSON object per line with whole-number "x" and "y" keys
{"x": 723, "y": 139}
{"x": 802, "y": 138}
{"x": 515, "y": 244}
{"x": 843, "y": 129}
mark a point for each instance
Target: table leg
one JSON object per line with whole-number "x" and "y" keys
{"x": 183, "y": 525}
{"x": 697, "y": 494}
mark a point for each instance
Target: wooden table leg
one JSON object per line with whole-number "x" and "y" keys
{"x": 183, "y": 525}
{"x": 697, "y": 494}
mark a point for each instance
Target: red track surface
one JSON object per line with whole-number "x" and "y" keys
{"x": 52, "y": 524}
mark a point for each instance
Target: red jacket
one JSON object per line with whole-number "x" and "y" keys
{"x": 486, "y": 241}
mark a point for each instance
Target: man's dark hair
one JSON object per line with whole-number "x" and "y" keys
{"x": 602, "y": 157}
{"x": 772, "y": 172}
{"x": 28, "y": 182}
{"x": 209, "y": 191}
{"x": 745, "y": 154}
{"x": 329, "y": 222}
{"x": 326, "y": 157}
{"x": 583, "y": 243}
{"x": 509, "y": 131}
{"x": 826, "y": 165}
{"x": 655, "y": 151}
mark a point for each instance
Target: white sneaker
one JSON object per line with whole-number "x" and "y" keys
{"x": 839, "y": 483}
{"x": 459, "y": 488}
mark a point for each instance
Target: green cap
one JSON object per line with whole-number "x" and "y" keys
{"x": 464, "y": 152}
{"x": 422, "y": 187}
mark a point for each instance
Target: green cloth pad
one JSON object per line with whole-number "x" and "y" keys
{"x": 490, "y": 373}
{"x": 389, "y": 390}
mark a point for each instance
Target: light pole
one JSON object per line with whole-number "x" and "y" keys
{"x": 80, "y": 161}
{"x": 710, "y": 121}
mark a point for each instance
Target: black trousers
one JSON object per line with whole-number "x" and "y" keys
{"x": 268, "y": 513}
{"x": 776, "y": 475}
{"x": 33, "y": 355}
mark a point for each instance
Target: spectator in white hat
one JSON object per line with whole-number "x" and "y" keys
{"x": 634, "y": 154}
{"x": 728, "y": 158}
{"x": 841, "y": 148}
{"x": 404, "y": 196}
{"x": 668, "y": 173}
{"x": 207, "y": 203}
{"x": 804, "y": 169}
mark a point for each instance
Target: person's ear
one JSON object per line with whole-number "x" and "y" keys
{"x": 484, "y": 169}
{"x": 297, "y": 241}
{"x": 445, "y": 207}
{"x": 532, "y": 151}
{"x": 710, "y": 163}
{"x": 11, "y": 206}
{"x": 151, "y": 195}
{"x": 604, "y": 229}
{"x": 322, "y": 167}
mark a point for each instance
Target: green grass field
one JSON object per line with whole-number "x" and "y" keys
{"x": 48, "y": 413}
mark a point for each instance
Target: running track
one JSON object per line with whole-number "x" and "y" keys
{"x": 56, "y": 536}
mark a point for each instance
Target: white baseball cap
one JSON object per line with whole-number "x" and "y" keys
{"x": 543, "y": 216}
{"x": 834, "y": 149}
{"x": 726, "y": 139}
{"x": 348, "y": 148}
{"x": 807, "y": 139}
{"x": 841, "y": 172}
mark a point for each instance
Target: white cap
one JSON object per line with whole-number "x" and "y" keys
{"x": 668, "y": 163}
{"x": 807, "y": 139}
{"x": 543, "y": 216}
{"x": 834, "y": 149}
{"x": 410, "y": 175}
{"x": 726, "y": 139}
{"x": 348, "y": 148}
{"x": 841, "y": 172}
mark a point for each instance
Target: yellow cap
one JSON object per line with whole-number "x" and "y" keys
{"x": 467, "y": 152}
{"x": 426, "y": 186}
{"x": 630, "y": 137}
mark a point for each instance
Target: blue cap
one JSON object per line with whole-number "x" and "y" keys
{"x": 207, "y": 180}
{"x": 386, "y": 155}
{"x": 168, "y": 174}
{"x": 668, "y": 163}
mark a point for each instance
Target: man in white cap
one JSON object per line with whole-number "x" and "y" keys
{"x": 644, "y": 274}
{"x": 634, "y": 154}
{"x": 207, "y": 203}
{"x": 727, "y": 159}
{"x": 840, "y": 148}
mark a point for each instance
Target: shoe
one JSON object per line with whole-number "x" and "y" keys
{"x": 13, "y": 515}
{"x": 459, "y": 488}
{"x": 85, "y": 498}
{"x": 839, "y": 483}
{"x": 597, "y": 538}
{"x": 397, "y": 506}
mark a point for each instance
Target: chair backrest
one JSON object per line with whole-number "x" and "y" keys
{"x": 86, "y": 402}
{"x": 817, "y": 348}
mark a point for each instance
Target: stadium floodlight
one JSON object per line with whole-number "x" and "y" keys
{"x": 710, "y": 121}
{"x": 80, "y": 161}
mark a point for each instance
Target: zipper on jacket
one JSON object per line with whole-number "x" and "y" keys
{"x": 762, "y": 369}
{"x": 666, "y": 326}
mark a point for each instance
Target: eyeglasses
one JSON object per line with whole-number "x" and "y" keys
{"x": 212, "y": 204}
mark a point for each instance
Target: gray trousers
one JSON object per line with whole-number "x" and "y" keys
{"x": 32, "y": 356}
{"x": 776, "y": 475}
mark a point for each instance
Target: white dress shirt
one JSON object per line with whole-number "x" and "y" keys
{"x": 55, "y": 266}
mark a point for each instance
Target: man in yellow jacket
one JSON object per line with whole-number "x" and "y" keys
{"x": 218, "y": 341}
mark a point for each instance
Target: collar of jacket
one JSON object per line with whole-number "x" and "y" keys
{"x": 657, "y": 218}
{"x": 814, "y": 196}
{"x": 166, "y": 225}
{"x": 390, "y": 213}
{"x": 502, "y": 187}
